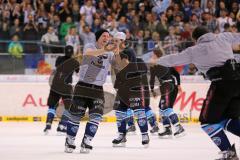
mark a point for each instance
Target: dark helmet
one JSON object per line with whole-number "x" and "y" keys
{"x": 128, "y": 54}
{"x": 69, "y": 51}
{"x": 199, "y": 31}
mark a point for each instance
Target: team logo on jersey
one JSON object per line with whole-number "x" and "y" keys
{"x": 118, "y": 124}
{"x": 99, "y": 62}
{"x": 140, "y": 113}
{"x": 74, "y": 129}
{"x": 142, "y": 122}
{"x": 93, "y": 128}
{"x": 217, "y": 141}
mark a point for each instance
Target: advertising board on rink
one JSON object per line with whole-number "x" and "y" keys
{"x": 28, "y": 98}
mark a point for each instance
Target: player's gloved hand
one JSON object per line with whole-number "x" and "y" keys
{"x": 180, "y": 89}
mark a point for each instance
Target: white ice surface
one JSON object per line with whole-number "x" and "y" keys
{"x": 25, "y": 141}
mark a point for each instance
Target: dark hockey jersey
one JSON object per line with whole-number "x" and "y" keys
{"x": 164, "y": 74}
{"x": 62, "y": 76}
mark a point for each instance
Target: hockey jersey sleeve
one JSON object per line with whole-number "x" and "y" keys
{"x": 77, "y": 65}
{"x": 58, "y": 61}
{"x": 152, "y": 77}
{"x": 142, "y": 67}
{"x": 233, "y": 38}
{"x": 182, "y": 58}
{"x": 177, "y": 75}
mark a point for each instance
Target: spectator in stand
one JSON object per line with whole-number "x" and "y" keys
{"x": 115, "y": 8}
{"x": 187, "y": 10}
{"x": 28, "y": 12}
{"x": 101, "y": 10}
{"x": 224, "y": 18}
{"x": 130, "y": 39}
{"x": 12, "y": 4}
{"x": 171, "y": 42}
{"x": 136, "y": 25}
{"x": 220, "y": 5}
{"x": 162, "y": 26}
{"x": 131, "y": 14}
{"x": 65, "y": 27}
{"x": 156, "y": 39}
{"x": 16, "y": 14}
{"x": 30, "y": 34}
{"x": 15, "y": 48}
{"x": 146, "y": 40}
{"x": 6, "y": 16}
{"x": 141, "y": 12}
{"x": 196, "y": 8}
{"x": 177, "y": 10}
{"x": 140, "y": 43}
{"x": 210, "y": 7}
{"x": 42, "y": 29}
{"x": 122, "y": 25}
{"x": 42, "y": 16}
{"x": 72, "y": 39}
{"x": 153, "y": 42}
{"x": 113, "y": 28}
{"x": 50, "y": 36}
{"x": 186, "y": 36}
{"x": 50, "y": 40}
{"x": 150, "y": 24}
{"x": 16, "y": 28}
{"x": 235, "y": 9}
{"x": 209, "y": 21}
{"x": 81, "y": 23}
{"x": 4, "y": 35}
{"x": 89, "y": 10}
{"x": 96, "y": 25}
{"x": 107, "y": 22}
{"x": 178, "y": 21}
{"x": 52, "y": 11}
{"x": 64, "y": 10}
{"x": 75, "y": 13}
{"x": 194, "y": 21}
{"x": 87, "y": 36}
{"x": 55, "y": 23}
{"x": 124, "y": 8}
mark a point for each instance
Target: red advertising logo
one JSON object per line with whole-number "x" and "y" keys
{"x": 31, "y": 101}
{"x": 192, "y": 100}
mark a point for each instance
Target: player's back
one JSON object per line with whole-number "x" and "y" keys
{"x": 161, "y": 72}
{"x": 65, "y": 66}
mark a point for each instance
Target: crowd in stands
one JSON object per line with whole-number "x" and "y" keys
{"x": 73, "y": 22}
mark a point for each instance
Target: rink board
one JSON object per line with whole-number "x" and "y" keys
{"x": 25, "y": 99}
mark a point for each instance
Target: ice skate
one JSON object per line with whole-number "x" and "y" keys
{"x": 61, "y": 130}
{"x": 145, "y": 140}
{"x": 69, "y": 145}
{"x": 180, "y": 132}
{"x": 131, "y": 129}
{"x": 230, "y": 154}
{"x": 47, "y": 129}
{"x": 166, "y": 134}
{"x": 85, "y": 146}
{"x": 120, "y": 141}
{"x": 154, "y": 129}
